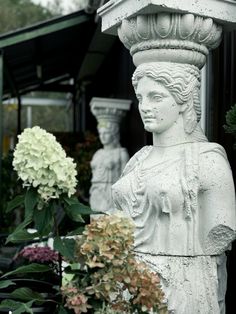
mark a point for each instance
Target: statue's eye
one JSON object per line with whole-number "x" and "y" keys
{"x": 157, "y": 97}
{"x": 139, "y": 98}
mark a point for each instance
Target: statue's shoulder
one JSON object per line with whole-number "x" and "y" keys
{"x": 123, "y": 150}
{"x": 136, "y": 158}
{"x": 98, "y": 154}
{"x": 211, "y": 148}
{"x": 213, "y": 156}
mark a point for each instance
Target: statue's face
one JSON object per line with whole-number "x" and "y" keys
{"x": 157, "y": 107}
{"x": 106, "y": 135}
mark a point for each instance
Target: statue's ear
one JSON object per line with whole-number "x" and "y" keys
{"x": 183, "y": 107}
{"x": 189, "y": 116}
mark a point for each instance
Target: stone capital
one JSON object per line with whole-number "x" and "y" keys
{"x": 108, "y": 109}
{"x": 169, "y": 30}
{"x": 114, "y": 11}
{"x": 164, "y": 37}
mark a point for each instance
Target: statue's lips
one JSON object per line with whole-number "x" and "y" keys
{"x": 149, "y": 119}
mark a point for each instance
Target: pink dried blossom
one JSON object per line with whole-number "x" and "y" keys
{"x": 77, "y": 301}
{"x": 39, "y": 254}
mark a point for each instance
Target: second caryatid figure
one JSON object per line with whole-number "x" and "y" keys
{"x": 108, "y": 162}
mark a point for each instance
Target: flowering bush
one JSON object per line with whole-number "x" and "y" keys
{"x": 103, "y": 275}
{"x": 107, "y": 275}
{"x": 49, "y": 180}
{"x": 41, "y": 162}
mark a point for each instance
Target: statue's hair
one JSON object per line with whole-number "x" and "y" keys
{"x": 110, "y": 126}
{"x": 183, "y": 82}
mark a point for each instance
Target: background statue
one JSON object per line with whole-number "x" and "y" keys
{"x": 108, "y": 162}
{"x": 179, "y": 192}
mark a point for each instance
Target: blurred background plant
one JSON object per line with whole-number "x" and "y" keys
{"x": 10, "y": 188}
{"x": 230, "y": 126}
{"x": 82, "y": 155}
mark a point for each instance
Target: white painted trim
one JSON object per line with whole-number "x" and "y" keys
{"x": 28, "y": 101}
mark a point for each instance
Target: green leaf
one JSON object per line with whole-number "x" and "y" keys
{"x": 75, "y": 266}
{"x": 32, "y": 268}
{"x": 17, "y": 307}
{"x": 26, "y": 294}
{"x": 62, "y": 310}
{"x": 6, "y": 283}
{"x": 65, "y": 247}
{"x": 16, "y": 202}
{"x": 71, "y": 200}
{"x": 74, "y": 204}
{"x": 43, "y": 220}
{"x": 73, "y": 213}
{"x": 31, "y": 199}
{"x": 77, "y": 231}
{"x": 21, "y": 236}
{"x": 10, "y": 304}
{"x": 24, "y": 308}
{"x": 84, "y": 210}
{"x": 13, "y": 237}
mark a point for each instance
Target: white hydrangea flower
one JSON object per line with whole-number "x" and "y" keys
{"x": 40, "y": 161}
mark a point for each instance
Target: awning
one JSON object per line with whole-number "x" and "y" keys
{"x": 46, "y": 53}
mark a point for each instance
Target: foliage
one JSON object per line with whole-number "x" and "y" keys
{"x": 83, "y": 154}
{"x": 16, "y": 14}
{"x": 230, "y": 126}
{"x": 105, "y": 275}
{"x": 38, "y": 153}
{"x": 10, "y": 187}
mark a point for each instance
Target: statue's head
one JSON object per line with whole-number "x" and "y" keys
{"x": 109, "y": 132}
{"x": 173, "y": 86}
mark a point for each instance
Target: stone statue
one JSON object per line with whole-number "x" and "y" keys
{"x": 108, "y": 162}
{"x": 179, "y": 192}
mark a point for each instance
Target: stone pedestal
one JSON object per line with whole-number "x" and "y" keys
{"x": 179, "y": 192}
{"x": 108, "y": 162}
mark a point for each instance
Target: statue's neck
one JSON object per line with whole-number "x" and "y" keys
{"x": 173, "y": 136}
{"x": 111, "y": 146}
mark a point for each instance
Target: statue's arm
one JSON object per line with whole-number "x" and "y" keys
{"x": 217, "y": 212}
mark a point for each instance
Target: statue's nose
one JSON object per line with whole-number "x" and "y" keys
{"x": 145, "y": 107}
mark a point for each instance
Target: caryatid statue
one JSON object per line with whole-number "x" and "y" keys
{"x": 179, "y": 191}
{"x": 108, "y": 162}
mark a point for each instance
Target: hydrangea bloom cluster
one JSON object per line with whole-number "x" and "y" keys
{"x": 41, "y": 162}
{"x": 39, "y": 254}
{"x": 76, "y": 301}
{"x": 112, "y": 276}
